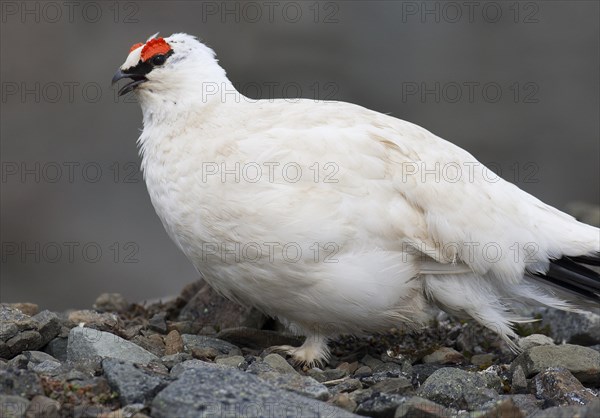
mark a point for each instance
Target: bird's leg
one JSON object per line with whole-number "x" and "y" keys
{"x": 314, "y": 350}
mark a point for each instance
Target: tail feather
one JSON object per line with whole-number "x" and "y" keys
{"x": 590, "y": 260}
{"x": 568, "y": 274}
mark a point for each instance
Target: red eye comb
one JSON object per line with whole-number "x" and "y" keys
{"x": 135, "y": 46}
{"x": 153, "y": 47}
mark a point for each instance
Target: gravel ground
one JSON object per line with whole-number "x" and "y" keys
{"x": 200, "y": 355}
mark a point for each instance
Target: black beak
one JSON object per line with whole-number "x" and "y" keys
{"x": 137, "y": 79}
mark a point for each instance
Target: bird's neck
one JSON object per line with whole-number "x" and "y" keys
{"x": 188, "y": 95}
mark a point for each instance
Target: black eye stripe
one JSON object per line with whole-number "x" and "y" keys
{"x": 144, "y": 67}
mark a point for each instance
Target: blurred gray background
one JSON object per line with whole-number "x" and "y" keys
{"x": 76, "y": 220}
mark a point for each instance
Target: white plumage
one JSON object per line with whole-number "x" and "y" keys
{"x": 332, "y": 217}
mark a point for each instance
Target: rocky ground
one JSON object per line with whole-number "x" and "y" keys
{"x": 199, "y": 355}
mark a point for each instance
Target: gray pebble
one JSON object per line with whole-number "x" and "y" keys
{"x": 457, "y": 389}
{"x": 582, "y": 362}
{"x": 133, "y": 384}
{"x": 86, "y": 344}
{"x": 12, "y": 406}
{"x": 224, "y": 391}
{"x": 200, "y": 341}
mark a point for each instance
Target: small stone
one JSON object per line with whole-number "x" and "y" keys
{"x": 592, "y": 410}
{"x": 395, "y": 385}
{"x": 392, "y": 357}
{"x": 390, "y": 368}
{"x": 86, "y": 344}
{"x": 25, "y": 340}
{"x": 326, "y": 375}
{"x": 74, "y": 374}
{"x": 528, "y": 403}
{"x": 504, "y": 408}
{"x": 18, "y": 362}
{"x": 12, "y": 406}
{"x": 91, "y": 319}
{"x": 46, "y": 367}
{"x": 344, "y": 401}
{"x": 574, "y": 328}
{"x": 444, "y": 355}
{"x": 457, "y": 389}
{"x": 20, "y": 382}
{"x": 111, "y": 302}
{"x": 519, "y": 381}
{"x": 207, "y": 330}
{"x": 371, "y": 362}
{"x": 25, "y": 307}
{"x": 492, "y": 378}
{"x": 194, "y": 364}
{"x": 259, "y": 367}
{"x": 57, "y": 348}
{"x": 582, "y": 362}
{"x": 420, "y": 372}
{"x": 131, "y": 331}
{"x": 13, "y": 320}
{"x": 534, "y": 340}
{"x": 348, "y": 385}
{"x": 156, "y": 366}
{"x": 64, "y": 331}
{"x": 383, "y": 373}
{"x": 158, "y": 323}
{"x": 302, "y": 385}
{"x": 36, "y": 357}
{"x": 41, "y": 363}
{"x": 334, "y": 374}
{"x": 279, "y": 364}
{"x": 204, "y": 353}
{"x": 277, "y": 374}
{"x": 363, "y": 371}
{"x": 316, "y": 374}
{"x": 48, "y": 325}
{"x": 173, "y": 343}
{"x": 4, "y": 351}
{"x": 348, "y": 368}
{"x": 209, "y": 390}
{"x": 129, "y": 411}
{"x": 200, "y": 341}
{"x": 8, "y": 330}
{"x": 153, "y": 343}
{"x": 90, "y": 411}
{"x": 361, "y": 395}
{"x": 416, "y": 407}
{"x": 233, "y": 361}
{"x": 173, "y": 359}
{"x": 133, "y": 384}
{"x": 158, "y": 342}
{"x": 380, "y": 405}
{"x": 43, "y": 407}
{"x": 558, "y": 387}
{"x": 483, "y": 360}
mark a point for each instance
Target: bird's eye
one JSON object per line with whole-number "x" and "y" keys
{"x": 159, "y": 60}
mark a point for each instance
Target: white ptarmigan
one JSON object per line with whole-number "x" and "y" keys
{"x": 337, "y": 219}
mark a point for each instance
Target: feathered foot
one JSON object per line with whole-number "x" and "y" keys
{"x": 313, "y": 352}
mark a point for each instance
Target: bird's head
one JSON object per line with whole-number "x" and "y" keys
{"x": 169, "y": 69}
